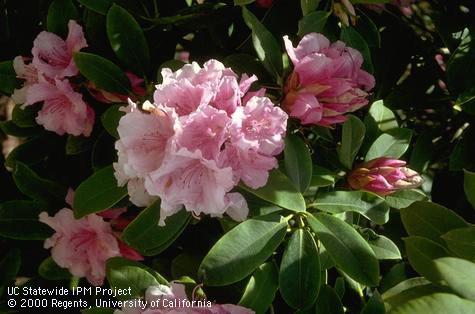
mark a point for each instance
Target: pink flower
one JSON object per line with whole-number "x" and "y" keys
{"x": 63, "y": 111}
{"x": 384, "y": 176}
{"x": 28, "y": 73}
{"x": 265, "y": 3}
{"x": 53, "y": 56}
{"x": 107, "y": 97}
{"x": 82, "y": 246}
{"x": 327, "y": 81}
{"x": 173, "y": 300}
{"x": 201, "y": 136}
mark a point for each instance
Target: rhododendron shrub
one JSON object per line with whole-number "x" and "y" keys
{"x": 237, "y": 156}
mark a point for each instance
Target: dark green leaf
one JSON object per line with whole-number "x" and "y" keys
{"x": 308, "y": 6}
{"x": 25, "y": 117}
{"x": 469, "y": 186}
{"x": 313, "y": 23}
{"x": 404, "y": 198}
{"x": 298, "y": 162}
{"x": 328, "y": 302}
{"x": 458, "y": 274}
{"x": 369, "y": 205}
{"x": 110, "y": 119}
{"x": 384, "y": 248}
{"x": 280, "y": 191}
{"x": 10, "y": 128}
{"x": 127, "y": 40}
{"x": 99, "y": 6}
{"x": 393, "y": 144}
{"x": 435, "y": 303}
{"x": 8, "y": 80}
{"x": 299, "y": 275}
{"x": 145, "y": 235}
{"x": 37, "y": 188}
{"x": 59, "y": 14}
{"x": 50, "y": 270}
{"x": 353, "y": 39}
{"x": 421, "y": 253}
{"x": 77, "y": 144}
{"x": 461, "y": 242}
{"x": 261, "y": 288}
{"x": 240, "y": 251}
{"x": 352, "y": 138}
{"x": 430, "y": 220}
{"x": 19, "y": 221}
{"x": 375, "y": 305}
{"x": 346, "y": 246}
{"x": 97, "y": 193}
{"x": 125, "y": 274}
{"x": 102, "y": 72}
{"x": 10, "y": 266}
{"x": 267, "y": 47}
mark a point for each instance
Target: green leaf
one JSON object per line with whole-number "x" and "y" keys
{"x": 383, "y": 116}
{"x": 404, "y": 198}
{"x": 261, "y": 288}
{"x": 10, "y": 266}
{"x": 346, "y": 246}
{"x": 19, "y": 221}
{"x": 77, "y": 144}
{"x": 421, "y": 253}
{"x": 299, "y": 275}
{"x": 51, "y": 271}
{"x": 469, "y": 186}
{"x": 124, "y": 274}
{"x": 298, "y": 162}
{"x": 328, "y": 301}
{"x": 10, "y": 128}
{"x": 240, "y": 251}
{"x": 369, "y": 205}
{"x": 97, "y": 193}
{"x": 462, "y": 61}
{"x": 430, "y": 220}
{"x": 313, "y": 23}
{"x": 375, "y": 305}
{"x": 25, "y": 117}
{"x": 353, "y": 39}
{"x": 59, "y": 14}
{"x": 368, "y": 29}
{"x": 436, "y": 303}
{"x": 322, "y": 177}
{"x": 351, "y": 140}
{"x": 110, "y": 119}
{"x": 243, "y": 2}
{"x": 37, "y": 188}
{"x": 393, "y": 144}
{"x": 384, "y": 248}
{"x": 422, "y": 152}
{"x": 8, "y": 80}
{"x": 458, "y": 274}
{"x": 267, "y": 47}
{"x": 405, "y": 285}
{"x": 145, "y": 235}
{"x": 127, "y": 40}
{"x": 98, "y": 6}
{"x": 280, "y": 191}
{"x": 102, "y": 72}
{"x": 308, "y": 6}
{"x": 461, "y": 242}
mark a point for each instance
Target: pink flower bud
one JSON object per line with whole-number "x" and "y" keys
{"x": 384, "y": 176}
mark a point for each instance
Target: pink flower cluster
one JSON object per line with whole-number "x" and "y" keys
{"x": 46, "y": 80}
{"x": 84, "y": 245}
{"x": 201, "y": 136}
{"x": 173, "y": 300}
{"x": 384, "y": 176}
{"x": 327, "y": 81}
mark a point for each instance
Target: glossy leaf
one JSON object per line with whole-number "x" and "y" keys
{"x": 458, "y": 274}
{"x": 461, "y": 242}
{"x": 328, "y": 301}
{"x": 369, "y": 205}
{"x": 314, "y": 22}
{"x": 97, "y": 193}
{"x": 99, "y": 6}
{"x": 280, "y": 191}
{"x": 384, "y": 248}
{"x": 404, "y": 198}
{"x": 393, "y": 144}
{"x": 430, "y": 220}
{"x": 59, "y": 14}
{"x": 383, "y": 116}
{"x": 102, "y": 72}
{"x": 353, "y": 39}
{"x": 346, "y": 246}
{"x": 352, "y": 138}
{"x": 127, "y": 39}
{"x": 261, "y": 288}
{"x": 110, "y": 119}
{"x": 240, "y": 251}
{"x": 145, "y": 235}
{"x": 298, "y": 162}
{"x": 267, "y": 48}
{"x": 299, "y": 275}
{"x": 436, "y": 303}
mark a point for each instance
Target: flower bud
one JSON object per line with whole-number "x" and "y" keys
{"x": 384, "y": 176}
